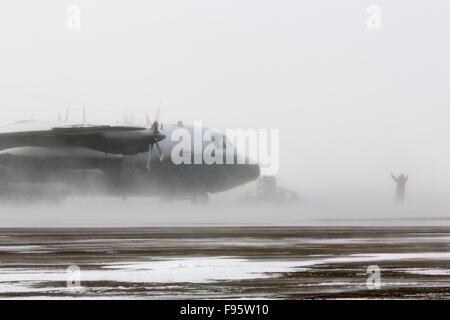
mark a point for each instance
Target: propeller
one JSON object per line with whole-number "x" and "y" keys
{"x": 156, "y": 136}
{"x": 84, "y": 114}
{"x": 67, "y": 115}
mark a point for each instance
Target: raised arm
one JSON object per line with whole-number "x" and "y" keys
{"x": 393, "y": 177}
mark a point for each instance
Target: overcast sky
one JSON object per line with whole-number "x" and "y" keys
{"x": 352, "y": 104}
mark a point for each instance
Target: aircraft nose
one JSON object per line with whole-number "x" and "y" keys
{"x": 249, "y": 172}
{"x": 231, "y": 176}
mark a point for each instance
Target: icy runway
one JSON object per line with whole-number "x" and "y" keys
{"x": 225, "y": 262}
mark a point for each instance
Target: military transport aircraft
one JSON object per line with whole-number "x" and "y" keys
{"x": 124, "y": 154}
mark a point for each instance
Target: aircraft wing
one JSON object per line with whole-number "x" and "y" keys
{"x": 44, "y": 128}
{"x": 105, "y": 138}
{"x": 90, "y": 129}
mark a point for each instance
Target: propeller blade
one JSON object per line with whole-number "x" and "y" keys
{"x": 161, "y": 154}
{"x": 149, "y": 158}
{"x": 67, "y": 115}
{"x": 147, "y": 120}
{"x": 84, "y": 114}
{"x": 155, "y": 136}
{"x": 154, "y": 126}
{"x": 157, "y": 113}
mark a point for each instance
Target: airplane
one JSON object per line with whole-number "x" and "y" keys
{"x": 124, "y": 154}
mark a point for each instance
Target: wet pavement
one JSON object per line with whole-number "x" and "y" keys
{"x": 225, "y": 262}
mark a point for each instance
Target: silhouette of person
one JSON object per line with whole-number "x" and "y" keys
{"x": 401, "y": 183}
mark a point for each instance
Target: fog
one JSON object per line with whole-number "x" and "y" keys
{"x": 352, "y": 104}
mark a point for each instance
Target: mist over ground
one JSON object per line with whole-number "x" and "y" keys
{"x": 150, "y": 212}
{"x": 352, "y": 104}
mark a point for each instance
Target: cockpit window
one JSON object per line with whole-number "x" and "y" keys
{"x": 228, "y": 144}
{"x": 219, "y": 141}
